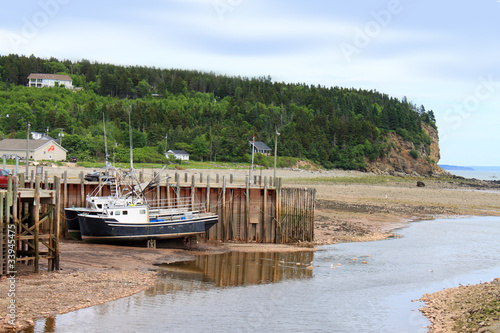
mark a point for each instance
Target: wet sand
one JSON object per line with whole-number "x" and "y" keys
{"x": 353, "y": 209}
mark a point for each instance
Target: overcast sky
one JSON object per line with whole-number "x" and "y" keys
{"x": 442, "y": 54}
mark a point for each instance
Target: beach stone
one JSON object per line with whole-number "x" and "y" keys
{"x": 420, "y": 184}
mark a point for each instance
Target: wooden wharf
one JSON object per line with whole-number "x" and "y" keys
{"x": 256, "y": 211}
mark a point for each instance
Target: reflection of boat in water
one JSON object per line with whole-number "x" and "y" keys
{"x": 241, "y": 269}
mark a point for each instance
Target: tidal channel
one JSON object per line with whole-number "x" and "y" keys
{"x": 350, "y": 287}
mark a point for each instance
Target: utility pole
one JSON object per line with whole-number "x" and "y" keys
{"x": 166, "y": 137}
{"x": 275, "y": 154}
{"x": 253, "y": 152}
{"x": 61, "y": 136}
{"x": 28, "y": 151}
{"x": 130, "y": 138}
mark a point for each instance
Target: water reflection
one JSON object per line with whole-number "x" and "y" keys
{"x": 355, "y": 287}
{"x": 232, "y": 269}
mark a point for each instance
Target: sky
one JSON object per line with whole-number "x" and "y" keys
{"x": 443, "y": 55}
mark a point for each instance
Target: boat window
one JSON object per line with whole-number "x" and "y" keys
{"x": 142, "y": 211}
{"x": 125, "y": 212}
{"x": 99, "y": 206}
{"x": 117, "y": 212}
{"x": 111, "y": 213}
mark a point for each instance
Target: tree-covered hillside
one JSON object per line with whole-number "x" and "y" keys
{"x": 211, "y": 116}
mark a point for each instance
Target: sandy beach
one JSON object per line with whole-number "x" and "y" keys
{"x": 350, "y": 206}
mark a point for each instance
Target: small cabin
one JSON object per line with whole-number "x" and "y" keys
{"x": 261, "y": 147}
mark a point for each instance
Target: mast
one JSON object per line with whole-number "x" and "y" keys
{"x": 130, "y": 138}
{"x": 105, "y": 141}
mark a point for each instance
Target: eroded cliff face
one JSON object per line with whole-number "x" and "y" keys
{"x": 400, "y": 161}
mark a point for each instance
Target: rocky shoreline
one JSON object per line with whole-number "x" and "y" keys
{"x": 474, "y": 308}
{"x": 351, "y": 206}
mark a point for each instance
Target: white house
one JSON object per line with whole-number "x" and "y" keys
{"x": 37, "y": 135}
{"x": 48, "y": 150}
{"x": 49, "y": 80}
{"x": 178, "y": 154}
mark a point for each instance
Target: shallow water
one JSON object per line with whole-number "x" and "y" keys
{"x": 277, "y": 292}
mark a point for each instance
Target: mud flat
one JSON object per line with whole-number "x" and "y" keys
{"x": 351, "y": 206}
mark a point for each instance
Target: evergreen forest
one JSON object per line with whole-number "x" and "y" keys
{"x": 211, "y": 116}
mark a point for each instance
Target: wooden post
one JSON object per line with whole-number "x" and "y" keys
{"x": 178, "y": 191}
{"x": 57, "y": 185}
{"x": 3, "y": 227}
{"x": 247, "y": 212}
{"x": 224, "y": 238}
{"x": 64, "y": 202}
{"x": 207, "y": 205}
{"x": 208, "y": 193}
{"x": 201, "y": 177}
{"x": 15, "y": 193}
{"x": 185, "y": 177}
{"x": 193, "y": 189}
{"x": 157, "y": 176}
{"x": 32, "y": 179}
{"x": 231, "y": 178}
{"x": 65, "y": 189}
{"x": 22, "y": 180}
{"x": 230, "y": 216}
{"x": 264, "y": 213}
{"x": 278, "y": 210}
{"x": 82, "y": 190}
{"x": 99, "y": 193}
{"x": 168, "y": 192}
{"x": 46, "y": 182}
{"x": 36, "y": 213}
{"x": 217, "y": 178}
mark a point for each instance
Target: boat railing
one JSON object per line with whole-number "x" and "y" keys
{"x": 181, "y": 204}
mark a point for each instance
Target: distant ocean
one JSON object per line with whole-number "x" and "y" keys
{"x": 478, "y": 172}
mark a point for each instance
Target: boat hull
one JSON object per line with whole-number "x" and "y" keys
{"x": 72, "y": 224}
{"x": 96, "y": 228}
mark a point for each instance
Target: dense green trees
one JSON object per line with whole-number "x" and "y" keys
{"x": 211, "y": 116}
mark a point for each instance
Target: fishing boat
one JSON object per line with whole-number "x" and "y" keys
{"x": 95, "y": 203}
{"x": 139, "y": 222}
{"x": 127, "y": 215}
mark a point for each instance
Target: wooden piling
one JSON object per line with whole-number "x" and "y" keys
{"x": 247, "y": 212}
{"x": 36, "y": 213}
{"x": 82, "y": 190}
{"x": 168, "y": 192}
{"x": 3, "y": 238}
{"x": 57, "y": 233}
{"x": 223, "y": 217}
{"x": 264, "y": 213}
{"x": 193, "y": 189}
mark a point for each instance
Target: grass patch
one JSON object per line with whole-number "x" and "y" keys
{"x": 479, "y": 315}
{"x": 363, "y": 180}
